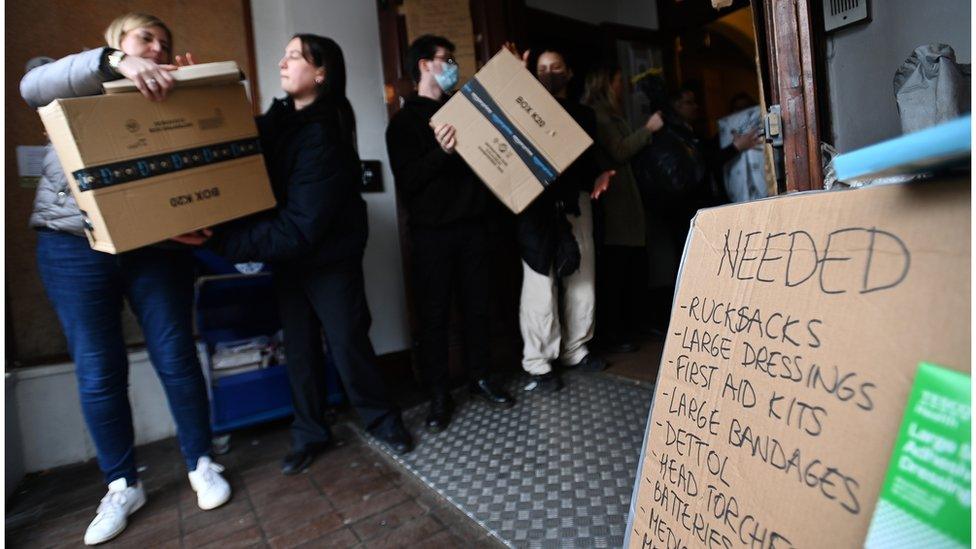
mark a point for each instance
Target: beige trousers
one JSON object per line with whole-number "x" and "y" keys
{"x": 558, "y": 327}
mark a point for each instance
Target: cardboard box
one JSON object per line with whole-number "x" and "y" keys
{"x": 203, "y": 74}
{"x": 511, "y": 131}
{"x": 144, "y": 171}
{"x": 798, "y": 326}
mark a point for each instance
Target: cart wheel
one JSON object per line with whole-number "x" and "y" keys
{"x": 220, "y": 444}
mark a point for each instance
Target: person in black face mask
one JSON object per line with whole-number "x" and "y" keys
{"x": 556, "y": 243}
{"x": 446, "y": 207}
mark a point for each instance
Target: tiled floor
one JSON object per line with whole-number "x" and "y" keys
{"x": 555, "y": 471}
{"x": 641, "y": 365}
{"x": 353, "y": 496}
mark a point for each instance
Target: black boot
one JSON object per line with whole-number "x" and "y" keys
{"x": 441, "y": 407}
{"x": 589, "y": 363}
{"x": 395, "y": 435}
{"x": 491, "y": 394}
{"x": 544, "y": 383}
{"x": 298, "y": 460}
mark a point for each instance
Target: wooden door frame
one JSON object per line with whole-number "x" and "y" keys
{"x": 792, "y": 64}
{"x": 791, "y": 61}
{"x": 252, "y": 66}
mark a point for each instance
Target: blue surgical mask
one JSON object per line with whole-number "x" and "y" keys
{"x": 448, "y": 78}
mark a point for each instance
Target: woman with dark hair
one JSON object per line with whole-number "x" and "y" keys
{"x": 555, "y": 239}
{"x": 315, "y": 240}
{"x": 87, "y": 288}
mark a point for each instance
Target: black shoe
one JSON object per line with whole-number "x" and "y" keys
{"x": 495, "y": 396}
{"x": 298, "y": 460}
{"x": 396, "y": 437}
{"x": 621, "y": 347}
{"x": 441, "y": 407}
{"x": 544, "y": 383}
{"x": 589, "y": 363}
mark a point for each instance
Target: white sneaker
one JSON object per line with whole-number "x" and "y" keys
{"x": 211, "y": 488}
{"x": 114, "y": 510}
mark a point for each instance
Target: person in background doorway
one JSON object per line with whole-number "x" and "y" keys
{"x": 556, "y": 310}
{"x": 315, "y": 241}
{"x": 87, "y": 289}
{"x": 446, "y": 205}
{"x": 684, "y": 102}
{"x": 671, "y": 177}
{"x": 718, "y": 156}
{"x": 622, "y": 266}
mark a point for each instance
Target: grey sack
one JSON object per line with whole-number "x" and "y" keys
{"x": 931, "y": 87}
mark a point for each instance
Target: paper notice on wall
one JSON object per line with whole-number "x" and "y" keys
{"x": 797, "y": 328}
{"x": 30, "y": 162}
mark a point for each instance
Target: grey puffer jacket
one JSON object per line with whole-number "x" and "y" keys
{"x": 76, "y": 75}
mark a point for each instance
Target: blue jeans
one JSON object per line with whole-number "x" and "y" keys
{"x": 87, "y": 289}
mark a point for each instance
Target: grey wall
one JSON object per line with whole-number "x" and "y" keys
{"x": 636, "y": 13}
{"x": 355, "y": 26}
{"x": 862, "y": 60}
{"x": 13, "y": 455}
{"x": 44, "y": 425}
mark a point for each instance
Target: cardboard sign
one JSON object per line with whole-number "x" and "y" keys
{"x": 511, "y": 131}
{"x": 796, "y": 331}
{"x": 144, "y": 171}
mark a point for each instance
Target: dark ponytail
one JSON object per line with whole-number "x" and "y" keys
{"x": 325, "y": 52}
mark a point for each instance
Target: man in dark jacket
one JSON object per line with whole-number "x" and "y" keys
{"x": 446, "y": 207}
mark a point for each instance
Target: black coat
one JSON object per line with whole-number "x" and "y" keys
{"x": 545, "y": 234}
{"x": 437, "y": 188}
{"x": 316, "y": 177}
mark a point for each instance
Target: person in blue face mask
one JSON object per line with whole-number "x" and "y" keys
{"x": 446, "y": 207}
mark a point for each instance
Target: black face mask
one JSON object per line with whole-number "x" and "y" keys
{"x": 555, "y": 82}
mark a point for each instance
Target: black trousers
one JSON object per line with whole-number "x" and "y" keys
{"x": 332, "y": 298}
{"x": 449, "y": 261}
{"x": 621, "y": 291}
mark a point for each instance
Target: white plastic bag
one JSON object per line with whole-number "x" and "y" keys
{"x": 745, "y": 176}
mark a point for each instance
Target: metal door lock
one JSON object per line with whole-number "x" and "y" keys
{"x": 773, "y": 126}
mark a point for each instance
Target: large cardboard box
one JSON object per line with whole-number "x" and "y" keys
{"x": 798, "y": 326}
{"x": 511, "y": 131}
{"x": 144, "y": 171}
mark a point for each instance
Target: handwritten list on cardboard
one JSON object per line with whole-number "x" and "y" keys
{"x": 795, "y": 333}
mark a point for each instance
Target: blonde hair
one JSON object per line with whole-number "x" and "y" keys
{"x": 598, "y": 93}
{"x": 121, "y": 25}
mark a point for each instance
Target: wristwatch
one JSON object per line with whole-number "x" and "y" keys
{"x": 114, "y": 58}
